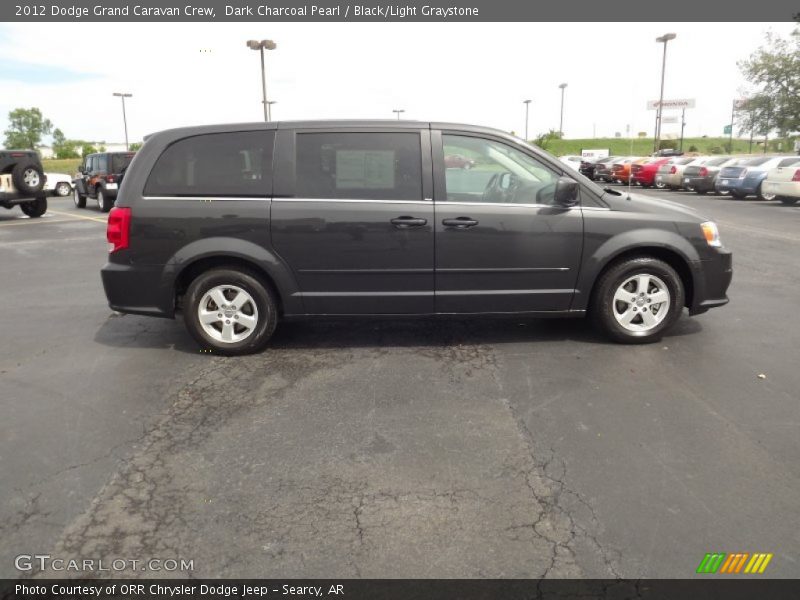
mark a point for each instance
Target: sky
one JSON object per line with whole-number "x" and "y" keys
{"x": 480, "y": 73}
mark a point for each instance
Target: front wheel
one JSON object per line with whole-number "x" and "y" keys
{"x": 35, "y": 209}
{"x": 788, "y": 201}
{"x": 62, "y": 189}
{"x": 637, "y": 300}
{"x": 230, "y": 312}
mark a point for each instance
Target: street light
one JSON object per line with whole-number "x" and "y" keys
{"x": 398, "y": 111}
{"x": 261, "y": 46}
{"x": 269, "y": 104}
{"x": 659, "y": 113}
{"x": 527, "y": 104}
{"x": 124, "y": 118}
{"x": 563, "y": 86}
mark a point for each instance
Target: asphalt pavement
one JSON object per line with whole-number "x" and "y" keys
{"x": 467, "y": 448}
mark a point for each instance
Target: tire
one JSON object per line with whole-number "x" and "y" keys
{"x": 260, "y": 306}
{"x": 610, "y": 306}
{"x": 63, "y": 189}
{"x": 762, "y": 196}
{"x": 787, "y": 201}
{"x": 104, "y": 203}
{"x": 700, "y": 192}
{"x": 660, "y": 185}
{"x": 27, "y": 177}
{"x": 738, "y": 195}
{"x": 36, "y": 208}
{"x": 78, "y": 198}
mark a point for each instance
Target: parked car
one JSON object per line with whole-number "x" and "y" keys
{"x": 587, "y": 167}
{"x": 238, "y": 227}
{"x": 457, "y": 161}
{"x": 22, "y": 182}
{"x": 99, "y": 177}
{"x": 783, "y": 183}
{"x": 700, "y": 178}
{"x": 668, "y": 175}
{"x": 643, "y": 173}
{"x": 621, "y": 169}
{"x": 58, "y": 184}
{"x": 573, "y": 161}
{"x": 602, "y": 168}
{"x": 745, "y": 178}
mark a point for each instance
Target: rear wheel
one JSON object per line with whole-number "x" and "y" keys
{"x": 637, "y": 300}
{"x": 35, "y": 209}
{"x": 103, "y": 202}
{"x": 78, "y": 198}
{"x": 62, "y": 189}
{"x": 788, "y": 201}
{"x": 230, "y": 311}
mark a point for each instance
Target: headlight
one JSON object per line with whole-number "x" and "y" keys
{"x": 711, "y": 233}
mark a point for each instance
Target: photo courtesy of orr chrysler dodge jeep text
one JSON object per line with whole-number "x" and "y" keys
{"x": 240, "y": 226}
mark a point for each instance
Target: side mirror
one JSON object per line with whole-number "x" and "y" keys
{"x": 566, "y": 193}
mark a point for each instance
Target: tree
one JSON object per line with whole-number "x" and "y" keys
{"x": 26, "y": 128}
{"x": 774, "y": 72}
{"x": 135, "y": 146}
{"x": 87, "y": 148}
{"x": 62, "y": 147}
{"x": 543, "y": 139}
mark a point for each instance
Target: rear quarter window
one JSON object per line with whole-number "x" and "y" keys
{"x": 236, "y": 164}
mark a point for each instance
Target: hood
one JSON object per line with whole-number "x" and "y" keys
{"x": 645, "y": 204}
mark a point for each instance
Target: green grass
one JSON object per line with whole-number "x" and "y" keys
{"x": 644, "y": 146}
{"x": 61, "y": 165}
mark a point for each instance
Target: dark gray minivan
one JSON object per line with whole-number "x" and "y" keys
{"x": 239, "y": 226}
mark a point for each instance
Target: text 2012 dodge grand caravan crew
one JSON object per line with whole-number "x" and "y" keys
{"x": 239, "y": 226}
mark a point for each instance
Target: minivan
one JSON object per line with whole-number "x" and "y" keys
{"x": 239, "y": 226}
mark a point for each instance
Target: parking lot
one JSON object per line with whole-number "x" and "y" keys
{"x": 399, "y": 448}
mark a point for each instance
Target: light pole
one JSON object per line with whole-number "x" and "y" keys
{"x": 398, "y": 112}
{"x": 269, "y": 104}
{"x": 563, "y": 86}
{"x": 124, "y": 118}
{"x": 261, "y": 46}
{"x": 661, "y": 40}
{"x": 527, "y": 104}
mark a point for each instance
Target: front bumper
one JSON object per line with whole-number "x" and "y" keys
{"x": 712, "y": 277}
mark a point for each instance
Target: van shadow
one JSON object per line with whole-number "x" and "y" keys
{"x": 120, "y": 331}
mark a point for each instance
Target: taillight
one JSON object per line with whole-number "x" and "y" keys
{"x": 703, "y": 172}
{"x": 110, "y": 178}
{"x": 673, "y": 170}
{"x": 119, "y": 228}
{"x": 796, "y": 176}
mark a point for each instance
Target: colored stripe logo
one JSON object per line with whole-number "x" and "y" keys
{"x": 734, "y": 563}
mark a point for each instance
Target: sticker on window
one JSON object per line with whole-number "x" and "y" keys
{"x": 365, "y": 169}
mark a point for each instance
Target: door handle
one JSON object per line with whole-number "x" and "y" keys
{"x": 460, "y": 222}
{"x": 406, "y": 222}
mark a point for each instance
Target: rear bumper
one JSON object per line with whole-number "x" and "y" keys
{"x": 712, "y": 277}
{"x": 699, "y": 183}
{"x": 138, "y": 289}
{"x": 744, "y": 186}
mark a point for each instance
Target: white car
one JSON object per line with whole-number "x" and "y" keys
{"x": 784, "y": 183}
{"x": 58, "y": 184}
{"x": 571, "y": 161}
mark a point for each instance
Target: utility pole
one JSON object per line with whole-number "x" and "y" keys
{"x": 527, "y": 104}
{"x": 683, "y": 124}
{"x": 124, "y": 117}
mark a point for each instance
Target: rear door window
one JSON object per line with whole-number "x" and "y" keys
{"x": 360, "y": 166}
{"x": 236, "y": 164}
{"x": 120, "y": 161}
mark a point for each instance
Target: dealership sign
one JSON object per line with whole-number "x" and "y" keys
{"x": 679, "y": 104}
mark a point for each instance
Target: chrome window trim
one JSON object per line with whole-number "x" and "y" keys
{"x": 354, "y": 201}
{"x": 208, "y": 198}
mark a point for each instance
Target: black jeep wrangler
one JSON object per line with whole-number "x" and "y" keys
{"x": 22, "y": 182}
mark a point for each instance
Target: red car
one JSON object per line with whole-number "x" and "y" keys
{"x": 644, "y": 174}
{"x": 457, "y": 161}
